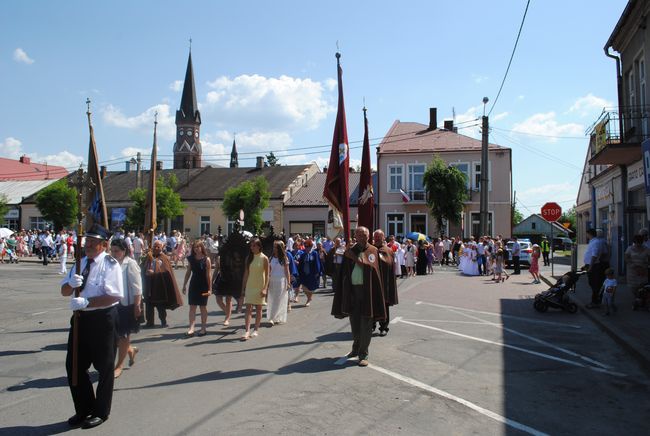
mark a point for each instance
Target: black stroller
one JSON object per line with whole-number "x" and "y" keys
{"x": 642, "y": 298}
{"x": 558, "y": 295}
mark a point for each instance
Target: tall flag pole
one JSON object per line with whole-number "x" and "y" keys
{"x": 151, "y": 213}
{"x": 366, "y": 193}
{"x": 336, "y": 184}
{"x": 95, "y": 193}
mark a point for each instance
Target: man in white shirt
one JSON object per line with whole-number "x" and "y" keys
{"x": 596, "y": 262}
{"x": 47, "y": 245}
{"x": 138, "y": 247}
{"x": 446, "y": 248}
{"x": 480, "y": 257}
{"x": 516, "y": 252}
{"x": 100, "y": 290}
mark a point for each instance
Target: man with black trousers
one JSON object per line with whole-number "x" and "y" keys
{"x": 596, "y": 262}
{"x": 516, "y": 252}
{"x": 100, "y": 291}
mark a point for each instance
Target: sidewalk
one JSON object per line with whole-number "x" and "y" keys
{"x": 629, "y": 328}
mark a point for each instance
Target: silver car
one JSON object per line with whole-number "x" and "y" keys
{"x": 524, "y": 254}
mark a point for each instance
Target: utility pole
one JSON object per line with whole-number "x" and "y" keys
{"x": 485, "y": 180}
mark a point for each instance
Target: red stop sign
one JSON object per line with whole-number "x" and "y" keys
{"x": 551, "y": 212}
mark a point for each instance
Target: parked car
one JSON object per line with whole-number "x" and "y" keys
{"x": 524, "y": 254}
{"x": 562, "y": 244}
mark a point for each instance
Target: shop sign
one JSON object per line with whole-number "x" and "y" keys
{"x": 635, "y": 175}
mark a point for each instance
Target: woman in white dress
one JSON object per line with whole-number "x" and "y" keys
{"x": 278, "y": 296}
{"x": 471, "y": 265}
{"x": 409, "y": 258}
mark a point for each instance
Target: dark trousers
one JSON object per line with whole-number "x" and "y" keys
{"x": 482, "y": 267}
{"x": 162, "y": 313}
{"x": 515, "y": 261}
{"x": 596, "y": 276}
{"x": 383, "y": 325}
{"x": 46, "y": 255}
{"x": 361, "y": 325}
{"x": 545, "y": 256}
{"x": 445, "y": 258}
{"x": 96, "y": 345}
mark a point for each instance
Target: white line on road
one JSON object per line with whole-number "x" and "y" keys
{"x": 514, "y": 347}
{"x": 449, "y": 321}
{"x": 520, "y": 318}
{"x": 532, "y": 338}
{"x": 447, "y": 395}
{"x": 396, "y": 320}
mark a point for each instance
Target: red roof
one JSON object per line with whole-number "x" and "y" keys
{"x": 11, "y": 169}
{"x": 416, "y": 137}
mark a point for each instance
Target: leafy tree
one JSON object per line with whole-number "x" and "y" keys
{"x": 168, "y": 202}
{"x": 569, "y": 216}
{"x": 252, "y": 196}
{"x": 272, "y": 160}
{"x": 517, "y": 217}
{"x": 446, "y": 188}
{"x": 58, "y": 203}
{"x": 4, "y": 207}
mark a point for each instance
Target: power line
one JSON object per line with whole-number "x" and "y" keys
{"x": 511, "y": 57}
{"x": 537, "y": 152}
{"x": 537, "y": 134}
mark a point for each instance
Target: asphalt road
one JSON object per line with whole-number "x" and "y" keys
{"x": 463, "y": 356}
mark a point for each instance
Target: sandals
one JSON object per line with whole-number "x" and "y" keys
{"x": 202, "y": 333}
{"x": 132, "y": 355}
{"x": 189, "y": 334}
{"x": 246, "y": 336}
{"x": 226, "y": 323}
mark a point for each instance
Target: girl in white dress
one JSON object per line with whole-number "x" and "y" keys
{"x": 280, "y": 282}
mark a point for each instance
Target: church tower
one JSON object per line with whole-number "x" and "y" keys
{"x": 233, "y": 155}
{"x": 187, "y": 149}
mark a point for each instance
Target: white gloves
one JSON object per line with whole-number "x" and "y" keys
{"x": 78, "y": 303}
{"x": 76, "y": 281}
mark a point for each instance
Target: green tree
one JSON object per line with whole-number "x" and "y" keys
{"x": 168, "y": 202}
{"x": 272, "y": 160}
{"x": 517, "y": 217}
{"x": 569, "y": 216}
{"x": 251, "y": 196}
{"x": 4, "y": 207}
{"x": 58, "y": 203}
{"x": 446, "y": 189}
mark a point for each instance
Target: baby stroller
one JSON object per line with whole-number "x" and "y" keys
{"x": 557, "y": 295}
{"x": 642, "y": 298}
{"x": 11, "y": 252}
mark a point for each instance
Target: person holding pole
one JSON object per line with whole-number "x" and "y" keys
{"x": 100, "y": 290}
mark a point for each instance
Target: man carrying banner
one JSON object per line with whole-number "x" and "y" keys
{"x": 100, "y": 284}
{"x": 360, "y": 295}
{"x": 387, "y": 273}
{"x": 160, "y": 288}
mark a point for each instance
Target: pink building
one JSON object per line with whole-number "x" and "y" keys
{"x": 402, "y": 159}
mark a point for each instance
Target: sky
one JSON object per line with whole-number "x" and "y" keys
{"x": 266, "y": 72}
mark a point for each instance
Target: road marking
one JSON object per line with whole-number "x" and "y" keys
{"x": 447, "y": 395}
{"x": 534, "y": 339}
{"x": 514, "y": 347}
{"x": 46, "y": 311}
{"x": 341, "y": 361}
{"x": 445, "y": 321}
{"x": 520, "y": 318}
{"x": 396, "y": 320}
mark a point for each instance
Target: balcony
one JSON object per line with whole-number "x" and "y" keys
{"x": 611, "y": 146}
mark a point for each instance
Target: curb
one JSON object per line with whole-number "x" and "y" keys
{"x": 641, "y": 358}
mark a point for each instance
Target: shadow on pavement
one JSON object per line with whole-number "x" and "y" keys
{"x": 45, "y": 429}
{"x": 40, "y": 383}
{"x": 16, "y": 353}
{"x": 330, "y": 337}
{"x": 208, "y": 376}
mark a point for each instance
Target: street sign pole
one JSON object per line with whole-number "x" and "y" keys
{"x": 551, "y": 212}
{"x": 552, "y": 254}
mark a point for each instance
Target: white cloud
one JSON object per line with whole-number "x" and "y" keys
{"x": 133, "y": 151}
{"x": 260, "y": 103}
{"x": 589, "y": 105}
{"x": 521, "y": 97}
{"x": 176, "y": 85}
{"x": 534, "y": 198}
{"x": 331, "y": 84}
{"x": 546, "y": 124}
{"x": 500, "y": 116}
{"x": 21, "y": 56}
{"x": 11, "y": 148}
{"x": 478, "y": 78}
{"x": 144, "y": 121}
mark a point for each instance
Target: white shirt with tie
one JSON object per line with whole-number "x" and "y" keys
{"x": 104, "y": 278}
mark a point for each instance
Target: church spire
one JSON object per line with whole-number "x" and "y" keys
{"x": 189, "y": 107}
{"x": 233, "y": 155}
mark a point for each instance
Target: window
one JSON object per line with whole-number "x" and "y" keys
{"x": 645, "y": 129}
{"x": 463, "y": 167}
{"x": 230, "y": 227}
{"x": 476, "y": 224}
{"x": 204, "y": 225}
{"x": 533, "y": 225}
{"x": 477, "y": 176}
{"x": 319, "y": 228}
{"x": 11, "y": 223}
{"x": 395, "y": 178}
{"x": 419, "y": 223}
{"x": 38, "y": 222}
{"x": 395, "y": 224}
{"x": 416, "y": 181}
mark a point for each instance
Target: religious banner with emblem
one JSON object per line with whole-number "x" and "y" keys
{"x": 95, "y": 192}
{"x": 366, "y": 195}
{"x": 336, "y": 184}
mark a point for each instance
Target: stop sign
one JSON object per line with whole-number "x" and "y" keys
{"x": 551, "y": 212}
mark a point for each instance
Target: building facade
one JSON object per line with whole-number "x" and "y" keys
{"x": 403, "y": 157}
{"x": 616, "y": 178}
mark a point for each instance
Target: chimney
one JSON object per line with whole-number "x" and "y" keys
{"x": 138, "y": 169}
{"x": 25, "y": 160}
{"x": 159, "y": 165}
{"x": 260, "y": 162}
{"x": 433, "y": 118}
{"x": 449, "y": 125}
{"x": 102, "y": 172}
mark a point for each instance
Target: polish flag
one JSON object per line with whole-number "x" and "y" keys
{"x": 405, "y": 196}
